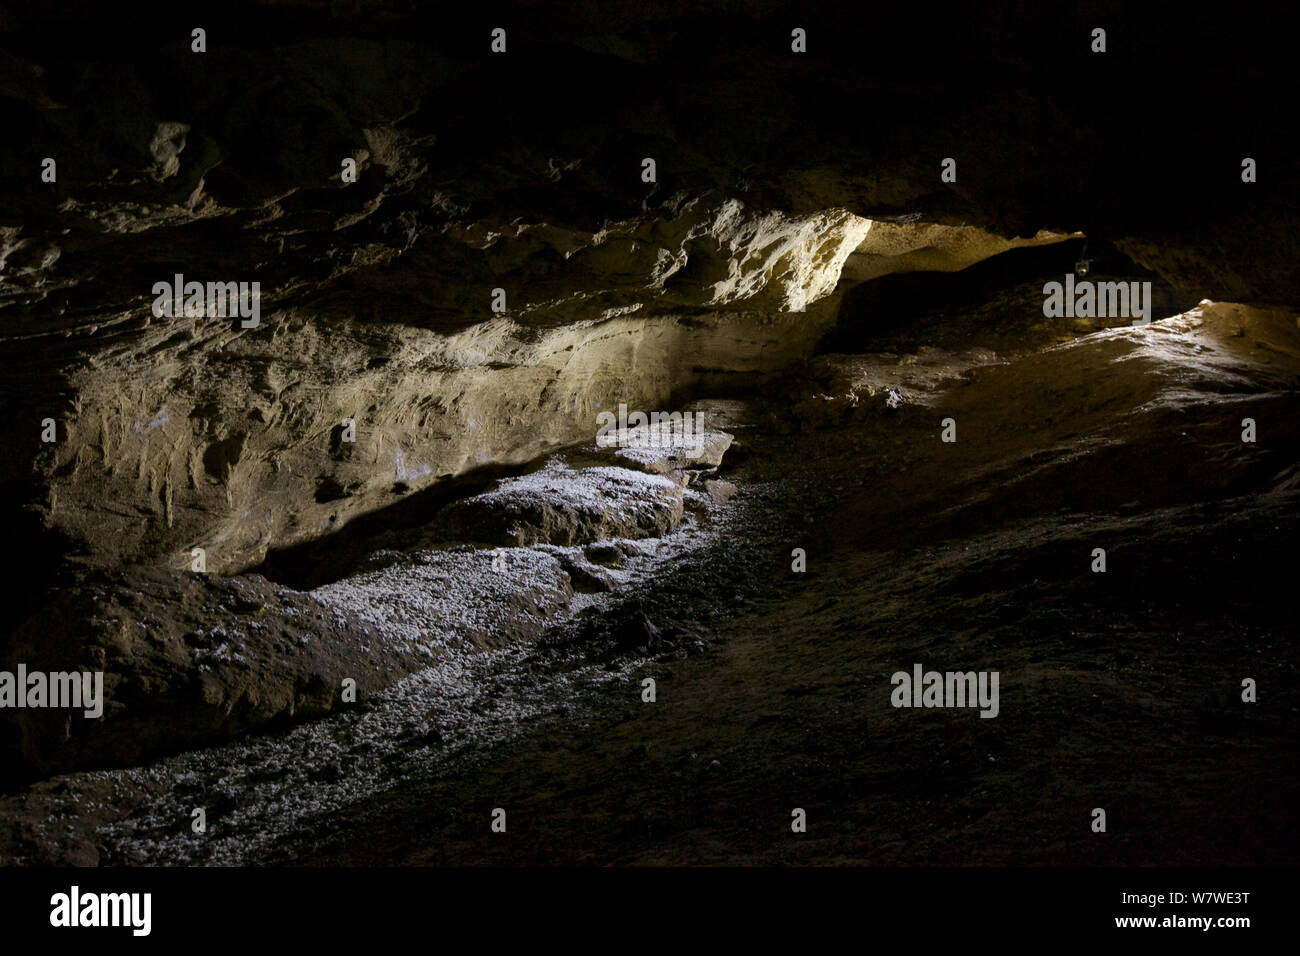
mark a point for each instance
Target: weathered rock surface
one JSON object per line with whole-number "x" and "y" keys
{"x": 671, "y": 449}
{"x": 430, "y": 602}
{"x": 188, "y": 659}
{"x": 376, "y": 295}
{"x": 720, "y": 492}
{"x": 560, "y": 505}
{"x": 789, "y": 188}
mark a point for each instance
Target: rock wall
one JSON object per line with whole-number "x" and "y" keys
{"x": 525, "y": 172}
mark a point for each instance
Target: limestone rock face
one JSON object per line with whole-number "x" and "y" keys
{"x": 376, "y": 296}
{"x": 559, "y": 506}
{"x": 672, "y": 450}
{"x": 893, "y": 247}
{"x": 238, "y": 440}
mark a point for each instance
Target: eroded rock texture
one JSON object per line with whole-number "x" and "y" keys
{"x": 790, "y": 190}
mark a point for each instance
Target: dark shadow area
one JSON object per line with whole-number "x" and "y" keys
{"x": 35, "y": 580}
{"x": 328, "y": 559}
{"x": 911, "y": 309}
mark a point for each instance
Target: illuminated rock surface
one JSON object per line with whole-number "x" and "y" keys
{"x": 485, "y": 573}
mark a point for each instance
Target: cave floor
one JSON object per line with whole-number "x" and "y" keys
{"x": 1120, "y": 690}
